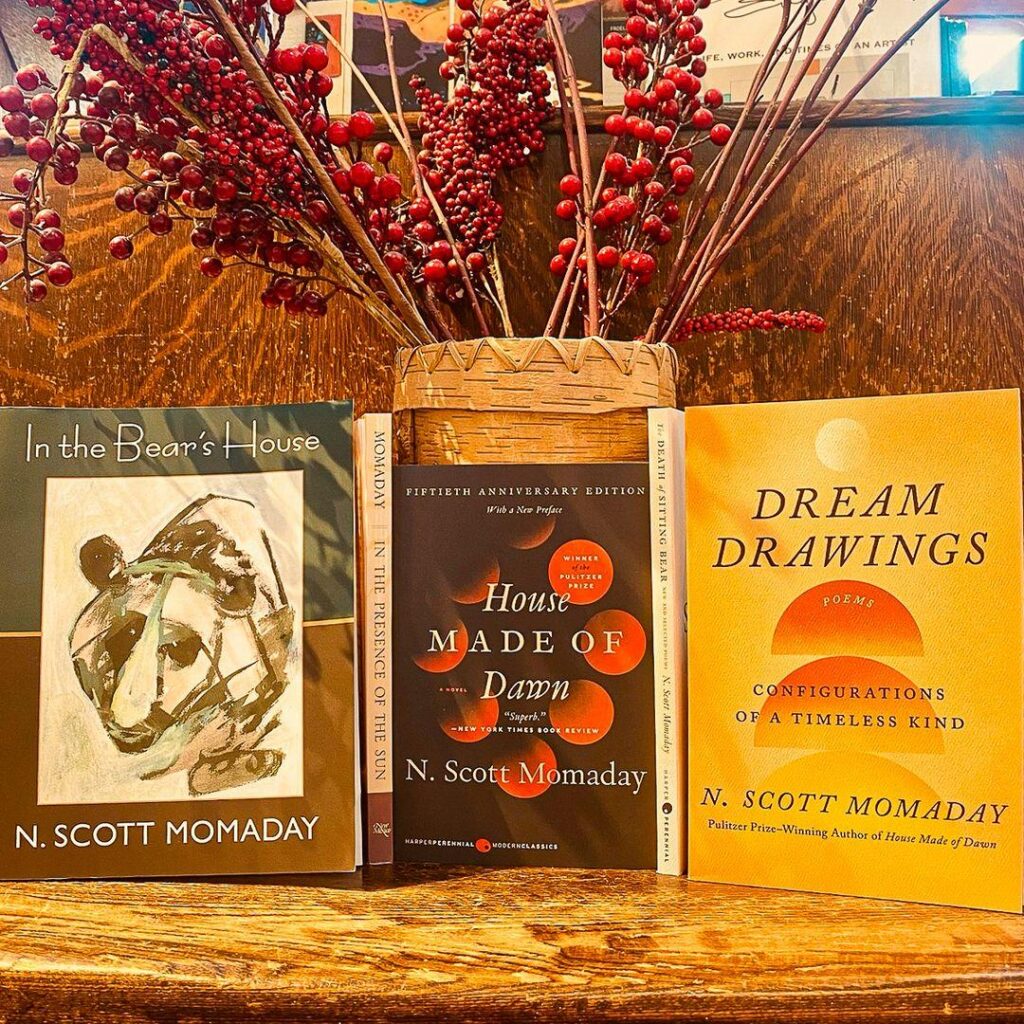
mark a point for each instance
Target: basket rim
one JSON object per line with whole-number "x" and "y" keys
{"x": 574, "y": 352}
{"x": 586, "y": 375}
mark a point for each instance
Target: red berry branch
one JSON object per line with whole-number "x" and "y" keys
{"x": 217, "y": 129}
{"x": 668, "y": 160}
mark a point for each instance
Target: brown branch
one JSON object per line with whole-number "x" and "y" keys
{"x": 693, "y": 223}
{"x": 565, "y": 68}
{"x": 739, "y": 226}
{"x": 408, "y": 312}
{"x": 399, "y": 128}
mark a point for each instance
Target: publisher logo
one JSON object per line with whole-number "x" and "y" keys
{"x": 483, "y": 845}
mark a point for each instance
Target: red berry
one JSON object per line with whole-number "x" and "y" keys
{"x": 43, "y": 106}
{"x": 664, "y": 89}
{"x": 225, "y": 190}
{"x": 160, "y": 224}
{"x": 362, "y": 174}
{"x": 121, "y": 248}
{"x": 288, "y": 62}
{"x": 607, "y": 256}
{"x": 698, "y": 45}
{"x": 17, "y": 125}
{"x": 616, "y": 164}
{"x": 702, "y": 118}
{"x": 634, "y": 99}
{"x": 211, "y": 266}
{"x": 168, "y": 128}
{"x": 720, "y": 134}
{"x": 16, "y": 215}
{"x": 191, "y": 176}
{"x": 642, "y": 168}
{"x": 52, "y": 239}
{"x": 22, "y": 180}
{"x": 282, "y": 7}
{"x": 11, "y": 98}
{"x": 27, "y": 79}
{"x": 92, "y": 133}
{"x": 39, "y": 149}
{"x": 642, "y": 263}
{"x": 362, "y": 124}
{"x": 36, "y": 291}
{"x": 566, "y": 209}
{"x": 3, "y": 254}
{"x": 59, "y": 274}
{"x": 65, "y": 175}
{"x": 419, "y": 209}
{"x": 116, "y": 159}
{"x": 570, "y": 185}
{"x": 435, "y": 271}
{"x": 338, "y": 133}
{"x": 559, "y": 264}
{"x": 643, "y": 130}
{"x": 713, "y": 98}
{"x": 395, "y": 262}
{"x": 615, "y": 124}
{"x": 566, "y": 247}
{"x": 315, "y": 57}
{"x": 383, "y": 153}
{"x": 683, "y": 174}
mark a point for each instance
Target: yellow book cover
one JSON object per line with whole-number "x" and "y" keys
{"x": 855, "y": 652}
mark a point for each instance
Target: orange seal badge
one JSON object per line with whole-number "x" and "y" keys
{"x": 582, "y": 571}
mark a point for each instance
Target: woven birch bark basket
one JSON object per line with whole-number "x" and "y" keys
{"x": 507, "y": 400}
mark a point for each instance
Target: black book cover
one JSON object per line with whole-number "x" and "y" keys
{"x": 524, "y": 692}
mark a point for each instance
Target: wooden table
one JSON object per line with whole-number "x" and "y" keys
{"x": 494, "y": 945}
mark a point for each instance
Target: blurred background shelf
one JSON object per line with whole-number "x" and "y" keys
{"x": 495, "y": 945}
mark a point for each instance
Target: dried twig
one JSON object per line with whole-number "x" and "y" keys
{"x": 410, "y": 315}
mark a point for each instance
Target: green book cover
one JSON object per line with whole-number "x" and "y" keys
{"x": 176, "y": 641}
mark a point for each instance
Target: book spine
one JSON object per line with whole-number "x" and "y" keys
{"x": 668, "y": 578}
{"x": 374, "y": 461}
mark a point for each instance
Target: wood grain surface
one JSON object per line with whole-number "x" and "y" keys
{"x": 908, "y": 238}
{"x": 491, "y": 946}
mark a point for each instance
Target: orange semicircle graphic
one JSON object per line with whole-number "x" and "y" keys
{"x": 847, "y": 617}
{"x": 849, "y": 703}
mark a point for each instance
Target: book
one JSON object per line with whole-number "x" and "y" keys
{"x": 527, "y": 712}
{"x": 177, "y": 638}
{"x": 854, "y": 600}
{"x": 374, "y": 456}
{"x": 666, "y": 442}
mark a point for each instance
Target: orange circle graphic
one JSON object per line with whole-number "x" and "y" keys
{"x": 618, "y": 642}
{"x": 534, "y": 534}
{"x": 527, "y": 771}
{"x": 582, "y": 570}
{"x": 449, "y": 656}
{"x": 468, "y": 719}
{"x": 585, "y": 716}
{"x": 475, "y": 590}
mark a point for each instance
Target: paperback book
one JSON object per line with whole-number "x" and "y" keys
{"x": 854, "y": 599}
{"x": 537, "y": 711}
{"x": 177, "y": 640}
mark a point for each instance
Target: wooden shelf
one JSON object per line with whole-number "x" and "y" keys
{"x": 494, "y": 945}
